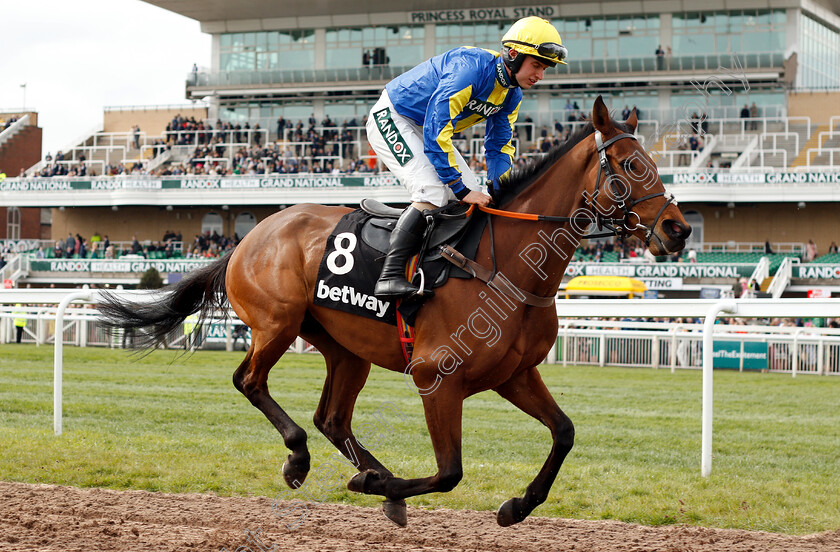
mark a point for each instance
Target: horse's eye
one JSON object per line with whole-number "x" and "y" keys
{"x": 629, "y": 166}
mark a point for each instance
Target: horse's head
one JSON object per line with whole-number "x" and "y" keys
{"x": 628, "y": 187}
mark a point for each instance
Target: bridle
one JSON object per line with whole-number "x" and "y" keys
{"x": 614, "y": 226}
{"x": 626, "y": 207}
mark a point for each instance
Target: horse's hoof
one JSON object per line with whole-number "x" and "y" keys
{"x": 395, "y": 510}
{"x": 360, "y": 483}
{"x": 508, "y": 515}
{"x": 295, "y": 471}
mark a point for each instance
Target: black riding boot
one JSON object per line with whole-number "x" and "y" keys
{"x": 405, "y": 239}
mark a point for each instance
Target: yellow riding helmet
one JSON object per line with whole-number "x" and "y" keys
{"x": 535, "y": 37}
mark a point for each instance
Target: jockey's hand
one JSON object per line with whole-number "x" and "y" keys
{"x": 477, "y": 198}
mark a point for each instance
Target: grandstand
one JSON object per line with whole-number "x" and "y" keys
{"x": 742, "y": 115}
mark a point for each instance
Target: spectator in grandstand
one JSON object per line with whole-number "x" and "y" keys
{"x": 625, "y": 113}
{"x": 660, "y": 57}
{"x": 682, "y": 145}
{"x": 70, "y": 244}
{"x": 570, "y": 111}
{"x": 754, "y": 116}
{"x": 745, "y": 115}
{"x": 832, "y": 248}
{"x": 810, "y": 251}
{"x": 135, "y": 131}
{"x": 422, "y": 107}
{"x": 767, "y": 249}
{"x": 81, "y": 248}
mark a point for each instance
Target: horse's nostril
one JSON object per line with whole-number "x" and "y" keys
{"x": 677, "y": 230}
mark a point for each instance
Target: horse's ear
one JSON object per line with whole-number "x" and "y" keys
{"x": 632, "y": 121}
{"x": 601, "y": 116}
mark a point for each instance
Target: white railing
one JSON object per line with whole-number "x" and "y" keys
{"x": 777, "y": 137}
{"x": 782, "y": 278}
{"x": 16, "y": 267}
{"x": 768, "y": 152}
{"x": 812, "y": 153}
{"x": 751, "y": 247}
{"x": 743, "y": 160}
{"x": 81, "y": 139}
{"x": 761, "y": 271}
{"x": 669, "y": 345}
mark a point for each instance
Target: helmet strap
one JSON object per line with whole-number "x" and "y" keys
{"x": 513, "y": 63}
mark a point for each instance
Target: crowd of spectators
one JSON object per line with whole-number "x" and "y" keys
{"x": 211, "y": 245}
{"x": 58, "y": 166}
{"x": 171, "y": 245}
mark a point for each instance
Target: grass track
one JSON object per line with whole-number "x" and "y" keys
{"x": 177, "y": 425}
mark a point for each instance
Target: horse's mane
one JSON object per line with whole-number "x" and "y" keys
{"x": 523, "y": 177}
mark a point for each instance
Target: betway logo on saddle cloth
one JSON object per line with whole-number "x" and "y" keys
{"x": 348, "y": 272}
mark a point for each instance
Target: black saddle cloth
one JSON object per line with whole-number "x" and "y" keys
{"x": 357, "y": 246}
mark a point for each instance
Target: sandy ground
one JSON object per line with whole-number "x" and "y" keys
{"x": 54, "y": 518}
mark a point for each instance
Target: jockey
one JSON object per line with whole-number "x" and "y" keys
{"x": 411, "y": 126}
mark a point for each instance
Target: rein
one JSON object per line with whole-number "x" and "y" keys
{"x": 615, "y": 227}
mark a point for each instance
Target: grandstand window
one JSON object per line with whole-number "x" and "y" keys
{"x": 212, "y": 222}
{"x": 716, "y": 104}
{"x": 271, "y": 50}
{"x": 819, "y": 58}
{"x": 622, "y": 37}
{"x": 753, "y": 31}
{"x": 293, "y": 111}
{"x": 481, "y": 35}
{"x": 341, "y": 110}
{"x": 244, "y": 223}
{"x": 13, "y": 223}
{"x": 346, "y": 47}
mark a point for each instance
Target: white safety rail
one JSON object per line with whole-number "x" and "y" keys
{"x": 708, "y": 310}
{"x": 679, "y": 345}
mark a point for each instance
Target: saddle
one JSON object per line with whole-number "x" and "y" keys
{"x": 357, "y": 247}
{"x": 444, "y": 226}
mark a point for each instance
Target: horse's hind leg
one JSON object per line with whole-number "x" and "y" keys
{"x": 251, "y": 379}
{"x": 528, "y": 392}
{"x": 346, "y": 376}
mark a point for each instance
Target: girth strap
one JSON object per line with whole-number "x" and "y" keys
{"x": 494, "y": 280}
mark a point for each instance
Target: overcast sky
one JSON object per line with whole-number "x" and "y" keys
{"x": 78, "y": 56}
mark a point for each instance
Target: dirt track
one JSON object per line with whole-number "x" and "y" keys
{"x": 52, "y": 518}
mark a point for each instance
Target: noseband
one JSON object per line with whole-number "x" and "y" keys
{"x": 618, "y": 227}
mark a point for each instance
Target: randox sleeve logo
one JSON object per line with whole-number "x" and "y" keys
{"x": 396, "y": 143}
{"x": 482, "y": 108}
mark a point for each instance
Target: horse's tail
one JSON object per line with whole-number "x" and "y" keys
{"x": 200, "y": 291}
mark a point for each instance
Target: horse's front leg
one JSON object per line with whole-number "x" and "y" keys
{"x": 527, "y": 392}
{"x": 443, "y": 409}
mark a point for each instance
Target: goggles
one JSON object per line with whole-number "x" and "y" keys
{"x": 548, "y": 50}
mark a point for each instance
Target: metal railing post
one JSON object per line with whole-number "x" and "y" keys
{"x": 708, "y": 377}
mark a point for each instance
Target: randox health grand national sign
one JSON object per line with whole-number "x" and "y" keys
{"x": 116, "y": 265}
{"x": 322, "y": 181}
{"x": 308, "y": 181}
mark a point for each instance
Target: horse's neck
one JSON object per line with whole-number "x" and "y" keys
{"x": 558, "y": 192}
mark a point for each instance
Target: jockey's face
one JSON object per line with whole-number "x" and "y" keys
{"x": 531, "y": 72}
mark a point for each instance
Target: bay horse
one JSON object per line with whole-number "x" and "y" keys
{"x": 470, "y": 337}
